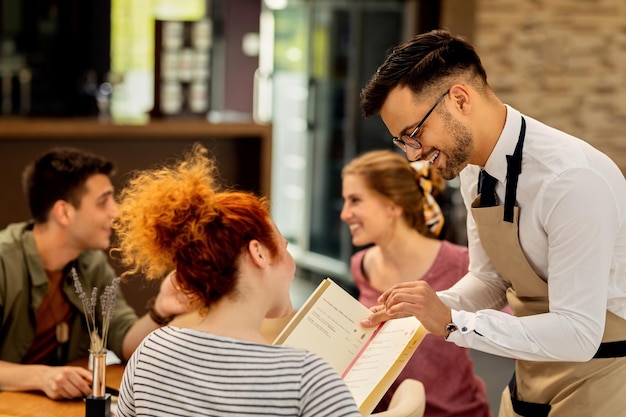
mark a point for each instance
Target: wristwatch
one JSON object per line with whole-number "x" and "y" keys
{"x": 450, "y": 327}
{"x": 156, "y": 317}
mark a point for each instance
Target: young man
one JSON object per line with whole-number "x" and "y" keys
{"x": 548, "y": 237}
{"x": 42, "y": 322}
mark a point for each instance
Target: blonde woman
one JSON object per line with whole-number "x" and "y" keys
{"x": 389, "y": 205}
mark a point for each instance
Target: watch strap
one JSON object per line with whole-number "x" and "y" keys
{"x": 156, "y": 317}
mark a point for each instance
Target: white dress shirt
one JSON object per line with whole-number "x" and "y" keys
{"x": 572, "y": 229}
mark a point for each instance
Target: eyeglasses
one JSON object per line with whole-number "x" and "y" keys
{"x": 405, "y": 142}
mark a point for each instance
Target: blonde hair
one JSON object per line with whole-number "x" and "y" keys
{"x": 392, "y": 177}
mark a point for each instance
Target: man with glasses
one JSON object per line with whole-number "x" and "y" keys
{"x": 546, "y": 232}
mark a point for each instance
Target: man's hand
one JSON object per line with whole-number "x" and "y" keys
{"x": 415, "y": 298}
{"x": 59, "y": 382}
{"x": 379, "y": 315}
{"x": 171, "y": 300}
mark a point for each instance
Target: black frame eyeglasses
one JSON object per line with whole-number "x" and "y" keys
{"x": 410, "y": 141}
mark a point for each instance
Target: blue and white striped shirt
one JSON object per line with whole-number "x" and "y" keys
{"x": 184, "y": 372}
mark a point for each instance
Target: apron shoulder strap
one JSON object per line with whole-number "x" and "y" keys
{"x": 513, "y": 170}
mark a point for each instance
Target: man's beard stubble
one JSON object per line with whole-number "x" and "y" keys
{"x": 458, "y": 157}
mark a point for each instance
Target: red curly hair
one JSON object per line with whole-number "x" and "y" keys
{"x": 174, "y": 217}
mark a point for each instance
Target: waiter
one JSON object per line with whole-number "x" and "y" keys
{"x": 546, "y": 233}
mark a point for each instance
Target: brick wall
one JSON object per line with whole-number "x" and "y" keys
{"x": 560, "y": 61}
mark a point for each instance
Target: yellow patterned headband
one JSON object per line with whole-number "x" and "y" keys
{"x": 433, "y": 216}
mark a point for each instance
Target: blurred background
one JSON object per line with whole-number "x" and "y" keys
{"x": 272, "y": 88}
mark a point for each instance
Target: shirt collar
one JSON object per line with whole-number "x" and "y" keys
{"x": 496, "y": 165}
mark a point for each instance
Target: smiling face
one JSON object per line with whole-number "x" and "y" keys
{"x": 90, "y": 223}
{"x": 446, "y": 143}
{"x": 369, "y": 216}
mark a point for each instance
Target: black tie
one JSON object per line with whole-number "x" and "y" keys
{"x": 487, "y": 189}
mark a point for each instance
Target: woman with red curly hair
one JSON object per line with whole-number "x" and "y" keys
{"x": 231, "y": 259}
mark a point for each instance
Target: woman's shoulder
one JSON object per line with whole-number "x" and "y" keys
{"x": 454, "y": 248}
{"x": 451, "y": 264}
{"x": 454, "y": 255}
{"x": 357, "y": 257}
{"x": 357, "y": 268}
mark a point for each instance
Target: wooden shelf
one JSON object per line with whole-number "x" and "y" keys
{"x": 90, "y": 128}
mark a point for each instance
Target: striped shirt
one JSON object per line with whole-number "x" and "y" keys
{"x": 185, "y": 372}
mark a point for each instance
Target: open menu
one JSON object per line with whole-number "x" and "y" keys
{"x": 368, "y": 359}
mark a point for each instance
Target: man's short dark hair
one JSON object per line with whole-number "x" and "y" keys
{"x": 429, "y": 61}
{"x": 60, "y": 174}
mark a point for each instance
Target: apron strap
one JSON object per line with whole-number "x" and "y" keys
{"x": 611, "y": 350}
{"x": 528, "y": 409}
{"x": 524, "y": 408}
{"x": 513, "y": 169}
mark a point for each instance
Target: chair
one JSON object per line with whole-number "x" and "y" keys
{"x": 409, "y": 400}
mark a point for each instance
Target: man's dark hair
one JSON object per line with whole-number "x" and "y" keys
{"x": 60, "y": 174}
{"x": 429, "y": 61}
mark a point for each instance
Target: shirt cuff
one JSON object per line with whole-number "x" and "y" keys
{"x": 465, "y": 323}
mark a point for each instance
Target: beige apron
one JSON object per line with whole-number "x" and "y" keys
{"x": 573, "y": 389}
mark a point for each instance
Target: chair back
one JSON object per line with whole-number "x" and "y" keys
{"x": 409, "y": 400}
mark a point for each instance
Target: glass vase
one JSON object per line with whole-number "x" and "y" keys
{"x": 98, "y": 404}
{"x": 99, "y": 369}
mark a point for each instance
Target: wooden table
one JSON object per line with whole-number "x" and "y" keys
{"x": 35, "y": 404}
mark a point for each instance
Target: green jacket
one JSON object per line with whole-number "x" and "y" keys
{"x": 23, "y": 283}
